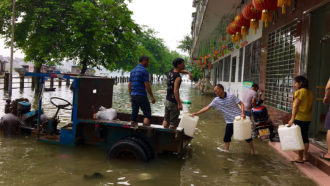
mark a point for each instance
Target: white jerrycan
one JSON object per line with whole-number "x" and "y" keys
{"x": 242, "y": 128}
{"x": 188, "y": 123}
{"x": 290, "y": 137}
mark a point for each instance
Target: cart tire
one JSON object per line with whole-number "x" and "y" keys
{"x": 145, "y": 146}
{"x": 127, "y": 150}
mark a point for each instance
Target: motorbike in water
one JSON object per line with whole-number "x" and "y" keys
{"x": 262, "y": 126}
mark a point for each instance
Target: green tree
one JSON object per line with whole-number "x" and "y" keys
{"x": 91, "y": 32}
{"x": 101, "y": 33}
{"x": 185, "y": 44}
{"x": 194, "y": 69}
{"x": 39, "y": 31}
{"x": 160, "y": 56}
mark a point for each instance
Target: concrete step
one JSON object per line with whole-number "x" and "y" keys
{"x": 315, "y": 158}
{"x": 315, "y": 168}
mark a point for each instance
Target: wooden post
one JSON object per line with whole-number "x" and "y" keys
{"x": 33, "y": 83}
{"x": 6, "y": 81}
{"x": 21, "y": 82}
{"x": 51, "y": 82}
{"x": 67, "y": 82}
{"x": 59, "y": 82}
{"x": 10, "y": 87}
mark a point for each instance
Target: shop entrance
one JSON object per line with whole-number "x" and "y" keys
{"x": 318, "y": 71}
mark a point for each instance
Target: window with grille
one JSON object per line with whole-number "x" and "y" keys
{"x": 220, "y": 69}
{"x": 233, "y": 69}
{"x": 280, "y": 67}
{"x": 226, "y": 70}
{"x": 252, "y": 61}
{"x": 240, "y": 65}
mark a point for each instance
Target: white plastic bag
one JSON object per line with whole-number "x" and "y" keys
{"x": 106, "y": 114}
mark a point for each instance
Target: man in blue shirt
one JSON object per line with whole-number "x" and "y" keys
{"x": 138, "y": 87}
{"x": 228, "y": 105}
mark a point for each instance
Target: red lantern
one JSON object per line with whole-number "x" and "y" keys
{"x": 243, "y": 23}
{"x": 234, "y": 27}
{"x": 266, "y": 7}
{"x": 235, "y": 31}
{"x": 229, "y": 30}
{"x": 252, "y": 14}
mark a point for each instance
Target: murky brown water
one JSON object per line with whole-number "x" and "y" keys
{"x": 24, "y": 161}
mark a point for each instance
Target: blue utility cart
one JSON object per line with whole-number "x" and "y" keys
{"x": 121, "y": 140}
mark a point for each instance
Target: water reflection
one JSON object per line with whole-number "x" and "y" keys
{"x": 25, "y": 161}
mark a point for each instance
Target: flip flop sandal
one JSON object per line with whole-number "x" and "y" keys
{"x": 322, "y": 157}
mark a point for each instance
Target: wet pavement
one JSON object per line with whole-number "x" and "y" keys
{"x": 24, "y": 161}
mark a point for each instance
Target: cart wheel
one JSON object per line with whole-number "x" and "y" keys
{"x": 145, "y": 146}
{"x": 127, "y": 150}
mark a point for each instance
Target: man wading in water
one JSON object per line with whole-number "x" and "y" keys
{"x": 228, "y": 105}
{"x": 137, "y": 86}
{"x": 173, "y": 103}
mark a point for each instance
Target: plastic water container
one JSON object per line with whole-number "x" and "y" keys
{"x": 242, "y": 128}
{"x": 290, "y": 138}
{"x": 188, "y": 123}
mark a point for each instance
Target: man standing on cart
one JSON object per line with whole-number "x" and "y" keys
{"x": 138, "y": 86}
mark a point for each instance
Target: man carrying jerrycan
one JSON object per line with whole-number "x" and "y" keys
{"x": 228, "y": 105}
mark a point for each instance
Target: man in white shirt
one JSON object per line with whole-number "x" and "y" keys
{"x": 228, "y": 105}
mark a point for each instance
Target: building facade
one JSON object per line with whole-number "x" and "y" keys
{"x": 294, "y": 43}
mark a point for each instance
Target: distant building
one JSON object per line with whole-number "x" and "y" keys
{"x": 77, "y": 70}
{"x": 48, "y": 69}
{"x": 2, "y": 66}
{"x": 90, "y": 72}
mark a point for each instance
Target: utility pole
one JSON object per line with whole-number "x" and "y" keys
{"x": 12, "y": 50}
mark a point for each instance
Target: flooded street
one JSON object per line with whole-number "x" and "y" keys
{"x": 24, "y": 161}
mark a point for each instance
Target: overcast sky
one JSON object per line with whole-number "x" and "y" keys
{"x": 170, "y": 18}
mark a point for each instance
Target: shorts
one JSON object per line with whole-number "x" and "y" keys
{"x": 171, "y": 113}
{"x": 327, "y": 121}
{"x": 304, "y": 125}
{"x": 229, "y": 133}
{"x": 143, "y": 103}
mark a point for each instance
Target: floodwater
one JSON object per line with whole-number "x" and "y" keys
{"x": 25, "y": 161}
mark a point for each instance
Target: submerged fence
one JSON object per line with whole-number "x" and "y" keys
{"x": 21, "y": 82}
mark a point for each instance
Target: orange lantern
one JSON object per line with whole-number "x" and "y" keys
{"x": 243, "y": 23}
{"x": 238, "y": 37}
{"x": 283, "y": 4}
{"x": 266, "y": 7}
{"x": 252, "y": 14}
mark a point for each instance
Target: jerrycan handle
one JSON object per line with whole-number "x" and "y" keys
{"x": 287, "y": 125}
{"x": 238, "y": 118}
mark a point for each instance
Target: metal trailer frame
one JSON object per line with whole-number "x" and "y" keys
{"x": 86, "y": 130}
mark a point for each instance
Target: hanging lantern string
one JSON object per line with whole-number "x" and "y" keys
{"x": 283, "y": 4}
